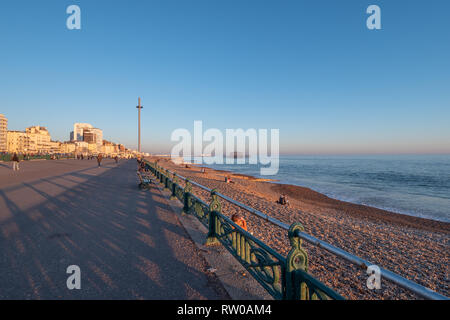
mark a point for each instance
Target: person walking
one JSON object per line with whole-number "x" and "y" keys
{"x": 99, "y": 159}
{"x": 116, "y": 158}
{"x": 15, "y": 160}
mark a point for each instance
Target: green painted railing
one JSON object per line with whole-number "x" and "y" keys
{"x": 284, "y": 278}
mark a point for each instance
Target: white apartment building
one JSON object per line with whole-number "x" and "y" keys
{"x": 78, "y": 131}
{"x": 93, "y": 135}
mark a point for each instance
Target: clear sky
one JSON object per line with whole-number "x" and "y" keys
{"x": 309, "y": 68}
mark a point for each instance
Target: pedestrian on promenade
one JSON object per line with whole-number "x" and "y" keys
{"x": 117, "y": 159}
{"x": 99, "y": 159}
{"x": 15, "y": 160}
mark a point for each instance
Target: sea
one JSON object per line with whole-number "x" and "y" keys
{"x": 416, "y": 185}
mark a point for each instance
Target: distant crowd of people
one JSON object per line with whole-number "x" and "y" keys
{"x": 15, "y": 158}
{"x": 99, "y": 158}
{"x": 8, "y": 156}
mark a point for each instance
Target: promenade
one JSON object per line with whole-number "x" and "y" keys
{"x": 128, "y": 243}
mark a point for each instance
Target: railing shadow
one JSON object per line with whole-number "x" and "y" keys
{"x": 123, "y": 239}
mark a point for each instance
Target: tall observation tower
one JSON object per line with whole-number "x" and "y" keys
{"x": 139, "y": 107}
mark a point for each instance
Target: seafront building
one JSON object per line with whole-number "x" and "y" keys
{"x": 78, "y": 131}
{"x": 98, "y": 134}
{"x": 18, "y": 141}
{"x": 85, "y": 139}
{"x": 86, "y": 132}
{"x": 3, "y": 133}
{"x": 40, "y": 140}
{"x": 89, "y": 136}
{"x": 34, "y": 139}
{"x": 67, "y": 147}
{"x": 81, "y": 147}
{"x": 109, "y": 148}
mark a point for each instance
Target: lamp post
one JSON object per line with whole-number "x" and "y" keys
{"x": 139, "y": 107}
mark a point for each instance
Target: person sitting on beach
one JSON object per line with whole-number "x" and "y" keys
{"x": 228, "y": 179}
{"x": 141, "y": 166}
{"x": 240, "y": 221}
{"x": 283, "y": 200}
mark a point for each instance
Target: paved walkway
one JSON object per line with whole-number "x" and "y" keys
{"x": 128, "y": 243}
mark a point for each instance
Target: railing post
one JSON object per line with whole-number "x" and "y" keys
{"x": 187, "y": 196}
{"x": 173, "y": 196}
{"x": 166, "y": 181}
{"x": 214, "y": 208}
{"x": 297, "y": 259}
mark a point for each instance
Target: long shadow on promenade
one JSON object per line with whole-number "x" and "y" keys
{"x": 127, "y": 242}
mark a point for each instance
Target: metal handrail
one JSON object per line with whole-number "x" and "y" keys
{"x": 364, "y": 264}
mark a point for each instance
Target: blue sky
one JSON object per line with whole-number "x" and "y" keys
{"x": 309, "y": 68}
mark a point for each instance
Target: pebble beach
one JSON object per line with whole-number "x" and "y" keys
{"x": 415, "y": 248}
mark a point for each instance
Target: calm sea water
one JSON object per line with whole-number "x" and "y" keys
{"x": 413, "y": 185}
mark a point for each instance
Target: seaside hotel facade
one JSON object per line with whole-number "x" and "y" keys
{"x": 34, "y": 139}
{"x": 85, "y": 139}
{"x": 3, "y": 133}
